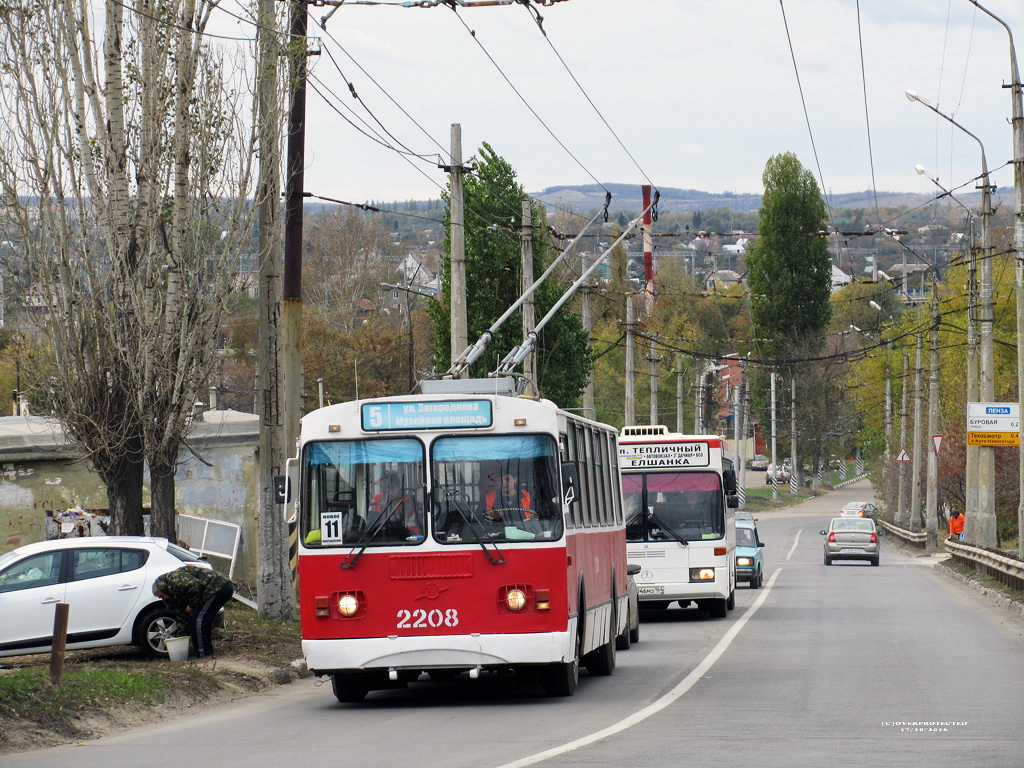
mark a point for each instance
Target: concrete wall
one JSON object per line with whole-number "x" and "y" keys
{"x": 40, "y": 471}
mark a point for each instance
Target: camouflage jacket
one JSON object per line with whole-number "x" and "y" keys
{"x": 189, "y": 587}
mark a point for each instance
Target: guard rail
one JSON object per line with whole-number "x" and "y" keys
{"x": 912, "y": 538}
{"x": 1008, "y": 571}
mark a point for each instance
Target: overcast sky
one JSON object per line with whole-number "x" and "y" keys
{"x": 700, "y": 93}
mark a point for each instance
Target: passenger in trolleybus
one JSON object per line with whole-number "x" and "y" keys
{"x": 398, "y": 507}
{"x": 687, "y": 506}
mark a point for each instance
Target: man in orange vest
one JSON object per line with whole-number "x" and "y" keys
{"x": 956, "y": 525}
{"x": 507, "y": 495}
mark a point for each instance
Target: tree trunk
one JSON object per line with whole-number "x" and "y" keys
{"x": 161, "y": 514}
{"x": 124, "y": 494}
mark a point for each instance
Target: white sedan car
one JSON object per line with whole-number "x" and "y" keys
{"x": 106, "y": 580}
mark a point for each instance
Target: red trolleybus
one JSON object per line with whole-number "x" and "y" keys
{"x": 679, "y": 493}
{"x": 446, "y": 532}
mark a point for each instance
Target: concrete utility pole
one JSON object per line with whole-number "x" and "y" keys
{"x": 630, "y": 404}
{"x": 1017, "y": 103}
{"x": 915, "y": 478}
{"x": 932, "y": 488}
{"x": 888, "y": 409}
{"x": 775, "y": 455}
{"x": 273, "y": 579}
{"x": 655, "y": 382}
{"x": 588, "y": 325}
{"x": 698, "y": 403}
{"x": 679, "y": 394}
{"x": 530, "y": 363}
{"x": 902, "y": 512}
{"x": 457, "y": 257}
{"x": 796, "y": 469}
{"x": 980, "y": 528}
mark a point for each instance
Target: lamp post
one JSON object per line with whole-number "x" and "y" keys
{"x": 981, "y": 522}
{"x": 1017, "y": 103}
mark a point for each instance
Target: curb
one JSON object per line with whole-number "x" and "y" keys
{"x": 996, "y": 596}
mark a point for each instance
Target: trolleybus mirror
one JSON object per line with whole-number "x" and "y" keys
{"x": 729, "y": 480}
{"x": 570, "y": 482}
{"x": 280, "y": 490}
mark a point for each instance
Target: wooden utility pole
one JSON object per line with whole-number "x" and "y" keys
{"x": 457, "y": 257}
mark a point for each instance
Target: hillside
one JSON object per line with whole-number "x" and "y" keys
{"x": 673, "y": 200}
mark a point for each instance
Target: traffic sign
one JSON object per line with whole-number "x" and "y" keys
{"x": 937, "y": 440}
{"x": 903, "y": 456}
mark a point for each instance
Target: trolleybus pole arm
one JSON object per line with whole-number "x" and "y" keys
{"x": 519, "y": 353}
{"x": 473, "y": 352}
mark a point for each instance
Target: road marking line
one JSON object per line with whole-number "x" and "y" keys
{"x": 795, "y": 542}
{"x": 652, "y": 709}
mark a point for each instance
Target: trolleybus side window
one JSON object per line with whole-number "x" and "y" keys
{"x": 363, "y": 492}
{"x": 489, "y": 487}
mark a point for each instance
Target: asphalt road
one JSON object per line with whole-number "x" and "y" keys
{"x": 848, "y": 664}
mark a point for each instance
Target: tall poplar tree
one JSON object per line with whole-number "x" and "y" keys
{"x": 790, "y": 271}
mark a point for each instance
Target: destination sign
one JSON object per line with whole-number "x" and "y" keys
{"x": 664, "y": 455}
{"x": 440, "y": 414}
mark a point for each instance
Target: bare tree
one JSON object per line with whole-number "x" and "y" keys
{"x": 128, "y": 176}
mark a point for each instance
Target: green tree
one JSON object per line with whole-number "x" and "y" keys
{"x": 790, "y": 268}
{"x": 492, "y": 198}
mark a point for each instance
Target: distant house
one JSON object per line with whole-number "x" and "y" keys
{"x": 839, "y": 279}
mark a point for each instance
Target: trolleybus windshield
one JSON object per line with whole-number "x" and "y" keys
{"x": 495, "y": 488}
{"x": 363, "y": 492}
{"x": 684, "y": 505}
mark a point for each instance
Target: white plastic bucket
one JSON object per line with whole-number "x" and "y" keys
{"x": 177, "y": 648}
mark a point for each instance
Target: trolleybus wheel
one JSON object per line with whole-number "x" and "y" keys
{"x": 718, "y": 608}
{"x": 347, "y": 690}
{"x": 623, "y": 641}
{"x": 561, "y": 679}
{"x": 730, "y": 604}
{"x": 601, "y": 660}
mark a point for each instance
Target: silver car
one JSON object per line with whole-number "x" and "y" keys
{"x": 851, "y": 538}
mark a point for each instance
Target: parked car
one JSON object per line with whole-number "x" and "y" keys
{"x": 851, "y": 538}
{"x": 759, "y": 463}
{"x": 623, "y": 642}
{"x": 749, "y": 559}
{"x": 106, "y": 580}
{"x": 858, "y": 509}
{"x": 780, "y": 475}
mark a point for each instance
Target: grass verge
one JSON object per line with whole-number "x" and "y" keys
{"x": 114, "y": 685}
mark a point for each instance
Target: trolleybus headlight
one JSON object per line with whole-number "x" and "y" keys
{"x": 744, "y": 561}
{"x": 702, "y": 574}
{"x": 348, "y": 605}
{"x": 515, "y": 600}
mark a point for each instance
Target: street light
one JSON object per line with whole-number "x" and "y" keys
{"x": 983, "y": 495}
